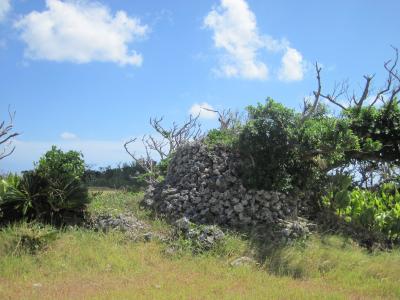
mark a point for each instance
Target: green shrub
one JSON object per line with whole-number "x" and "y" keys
{"x": 61, "y": 166}
{"x": 378, "y": 212}
{"x": 26, "y": 198}
{"x": 53, "y": 189}
{"x": 284, "y": 150}
{"x": 63, "y": 172}
{"x": 225, "y": 137}
{"x": 377, "y": 126}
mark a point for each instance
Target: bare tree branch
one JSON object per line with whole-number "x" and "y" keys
{"x": 176, "y": 135}
{"x": 309, "y": 109}
{"x": 338, "y": 90}
{"x": 146, "y": 163}
{"x": 6, "y": 136}
{"x": 171, "y": 139}
{"x": 390, "y": 87}
{"x": 365, "y": 93}
{"x": 390, "y": 90}
{"x": 227, "y": 119}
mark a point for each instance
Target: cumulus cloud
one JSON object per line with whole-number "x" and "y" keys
{"x": 68, "y": 136}
{"x": 235, "y": 31}
{"x": 292, "y": 67}
{"x": 81, "y": 32}
{"x": 236, "y": 34}
{"x": 5, "y": 7}
{"x": 202, "y": 109}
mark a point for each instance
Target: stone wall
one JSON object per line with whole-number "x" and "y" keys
{"x": 204, "y": 185}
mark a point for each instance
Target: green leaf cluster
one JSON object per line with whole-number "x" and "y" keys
{"x": 376, "y": 211}
{"x": 52, "y": 189}
{"x": 282, "y": 150}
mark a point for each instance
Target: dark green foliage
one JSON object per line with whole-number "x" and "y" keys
{"x": 378, "y": 130}
{"x": 288, "y": 151}
{"x": 53, "y": 189}
{"x": 283, "y": 151}
{"x": 27, "y": 198}
{"x": 267, "y": 147}
{"x": 63, "y": 172}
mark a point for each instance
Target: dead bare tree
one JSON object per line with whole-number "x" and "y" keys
{"x": 227, "y": 119}
{"x": 146, "y": 162}
{"x": 387, "y": 94}
{"x": 169, "y": 140}
{"x": 7, "y": 135}
{"x": 173, "y": 137}
{"x": 368, "y": 165}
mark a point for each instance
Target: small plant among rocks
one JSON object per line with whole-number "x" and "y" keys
{"x": 196, "y": 238}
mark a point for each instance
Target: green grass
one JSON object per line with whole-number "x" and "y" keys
{"x": 76, "y": 263}
{"x": 113, "y": 202}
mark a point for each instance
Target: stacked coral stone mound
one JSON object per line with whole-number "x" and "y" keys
{"x": 203, "y": 184}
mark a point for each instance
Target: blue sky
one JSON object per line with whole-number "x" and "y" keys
{"x": 88, "y": 75}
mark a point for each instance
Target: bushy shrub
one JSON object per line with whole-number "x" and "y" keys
{"x": 224, "y": 137}
{"x": 24, "y": 198}
{"x": 376, "y": 211}
{"x": 53, "y": 188}
{"x": 283, "y": 151}
{"x": 61, "y": 167}
{"x": 378, "y": 129}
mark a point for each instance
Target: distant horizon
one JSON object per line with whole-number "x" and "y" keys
{"x": 88, "y": 75}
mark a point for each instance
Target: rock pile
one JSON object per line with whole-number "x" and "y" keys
{"x": 291, "y": 230}
{"x": 205, "y": 237}
{"x": 203, "y": 185}
{"x": 121, "y": 222}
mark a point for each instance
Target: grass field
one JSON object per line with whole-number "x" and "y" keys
{"x": 40, "y": 262}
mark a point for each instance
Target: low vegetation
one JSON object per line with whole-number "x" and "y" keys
{"x": 42, "y": 262}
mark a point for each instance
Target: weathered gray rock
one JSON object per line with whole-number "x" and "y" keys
{"x": 122, "y": 222}
{"x": 204, "y": 236}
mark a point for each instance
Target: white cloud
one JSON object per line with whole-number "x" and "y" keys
{"x": 202, "y": 109}
{"x": 235, "y": 32}
{"x": 5, "y": 8}
{"x": 68, "y": 136}
{"x": 81, "y": 32}
{"x": 293, "y": 66}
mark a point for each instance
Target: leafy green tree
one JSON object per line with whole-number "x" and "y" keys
{"x": 283, "y": 151}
